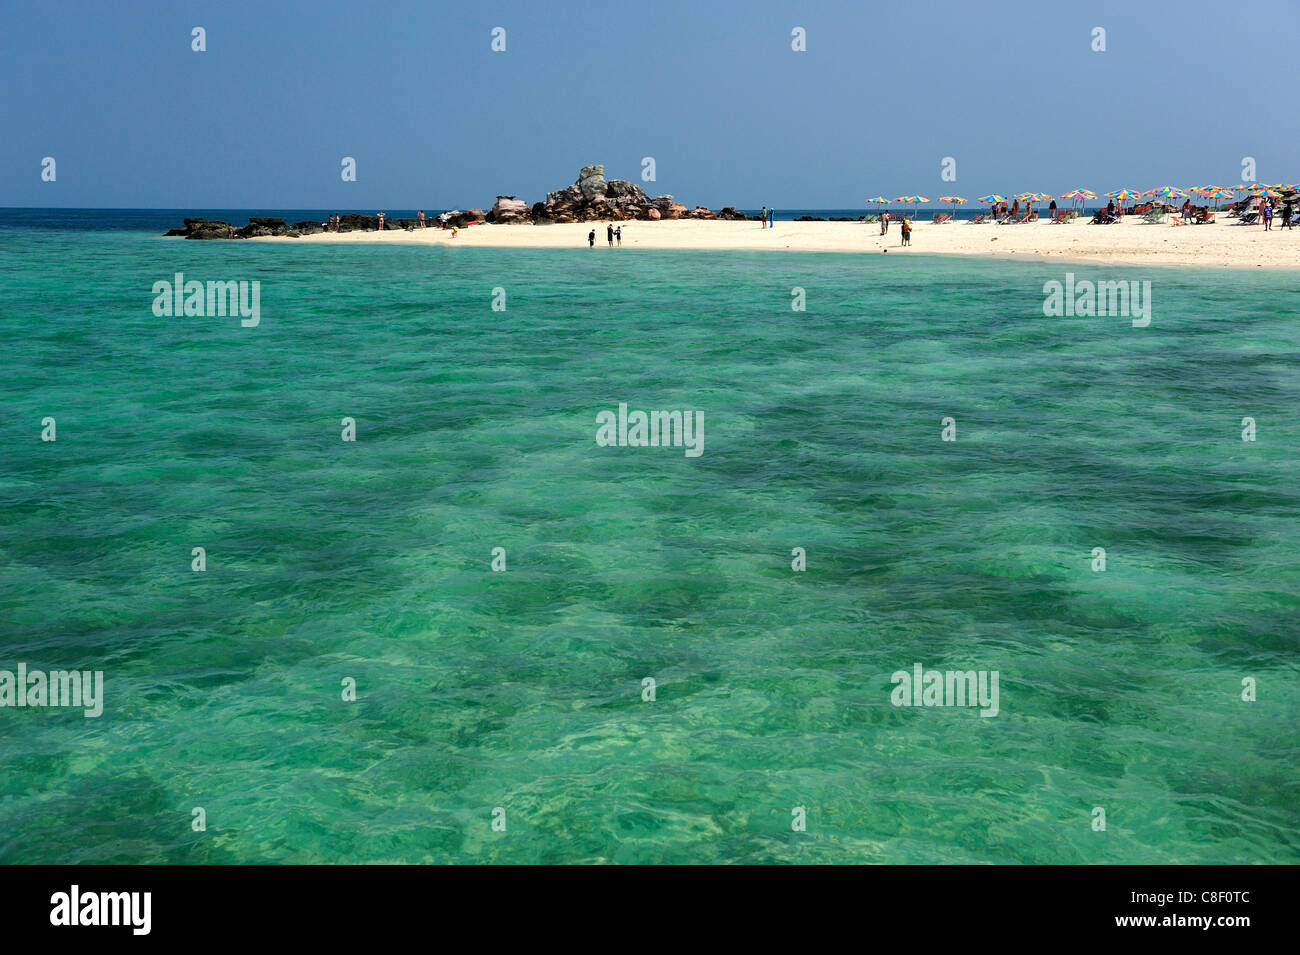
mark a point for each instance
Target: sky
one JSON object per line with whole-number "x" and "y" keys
{"x": 1012, "y": 91}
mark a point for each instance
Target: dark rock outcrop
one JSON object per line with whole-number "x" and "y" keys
{"x": 591, "y": 198}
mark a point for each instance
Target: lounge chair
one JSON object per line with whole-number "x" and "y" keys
{"x": 1248, "y": 218}
{"x": 1176, "y": 219}
{"x": 975, "y": 220}
{"x": 1101, "y": 218}
{"x": 941, "y": 217}
{"x": 1154, "y": 216}
{"x": 1065, "y": 215}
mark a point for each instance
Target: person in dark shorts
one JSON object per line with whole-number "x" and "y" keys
{"x": 609, "y": 234}
{"x": 591, "y": 239}
{"x": 618, "y": 236}
{"x": 907, "y": 231}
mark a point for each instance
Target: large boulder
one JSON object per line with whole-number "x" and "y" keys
{"x": 591, "y": 182}
{"x": 355, "y": 222}
{"x": 268, "y": 222}
{"x": 308, "y": 228}
{"x": 627, "y": 191}
{"x": 508, "y": 209}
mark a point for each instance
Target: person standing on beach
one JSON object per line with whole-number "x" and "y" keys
{"x": 1268, "y": 215}
{"x": 618, "y": 234}
{"x": 1052, "y": 209}
{"x": 884, "y": 222}
{"x": 421, "y": 218}
{"x": 381, "y": 221}
{"x": 771, "y": 218}
{"x": 609, "y": 235}
{"x": 1287, "y": 211}
{"x": 762, "y": 218}
{"x": 591, "y": 239}
{"x": 907, "y": 231}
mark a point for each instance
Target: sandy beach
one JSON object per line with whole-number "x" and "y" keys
{"x": 1220, "y": 244}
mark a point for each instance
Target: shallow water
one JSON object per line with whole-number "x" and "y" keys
{"x": 522, "y": 689}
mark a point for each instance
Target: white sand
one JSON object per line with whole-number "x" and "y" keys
{"x": 1222, "y": 243}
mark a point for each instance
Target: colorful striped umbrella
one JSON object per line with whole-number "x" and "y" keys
{"x": 1268, "y": 191}
{"x": 955, "y": 200}
{"x": 911, "y": 200}
{"x": 1079, "y": 197}
{"x": 1217, "y": 193}
{"x": 1167, "y": 192}
{"x": 1123, "y": 195}
{"x": 876, "y": 199}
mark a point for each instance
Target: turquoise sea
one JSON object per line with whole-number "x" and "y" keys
{"x": 371, "y": 560}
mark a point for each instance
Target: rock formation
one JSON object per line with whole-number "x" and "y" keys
{"x": 591, "y": 198}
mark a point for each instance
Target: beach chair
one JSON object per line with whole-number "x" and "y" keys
{"x": 941, "y": 217}
{"x": 1176, "y": 219}
{"x": 976, "y": 220}
{"x": 1155, "y": 216}
{"x": 1248, "y": 218}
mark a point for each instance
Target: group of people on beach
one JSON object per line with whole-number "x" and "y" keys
{"x": 612, "y": 235}
{"x": 904, "y": 226}
{"x": 335, "y": 219}
{"x": 767, "y": 218}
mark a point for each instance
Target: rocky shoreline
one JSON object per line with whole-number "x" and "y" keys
{"x": 591, "y": 198}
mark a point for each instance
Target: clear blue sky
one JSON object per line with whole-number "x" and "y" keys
{"x": 712, "y": 90}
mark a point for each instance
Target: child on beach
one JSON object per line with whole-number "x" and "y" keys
{"x": 455, "y": 231}
{"x": 907, "y": 231}
{"x": 618, "y": 234}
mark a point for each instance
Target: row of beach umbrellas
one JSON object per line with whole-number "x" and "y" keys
{"x": 1080, "y": 196}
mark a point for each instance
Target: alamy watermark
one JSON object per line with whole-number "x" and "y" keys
{"x": 75, "y": 907}
{"x": 213, "y": 300}
{"x": 83, "y": 689}
{"x": 921, "y": 687}
{"x": 653, "y": 429}
{"x": 1131, "y": 299}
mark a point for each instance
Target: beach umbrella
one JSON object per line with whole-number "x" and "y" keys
{"x": 1219, "y": 193}
{"x": 876, "y": 199}
{"x": 911, "y": 200}
{"x": 955, "y": 200}
{"x": 1167, "y": 192}
{"x": 991, "y": 201}
{"x": 1079, "y": 196}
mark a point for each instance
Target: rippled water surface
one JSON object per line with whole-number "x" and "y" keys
{"x": 522, "y": 689}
